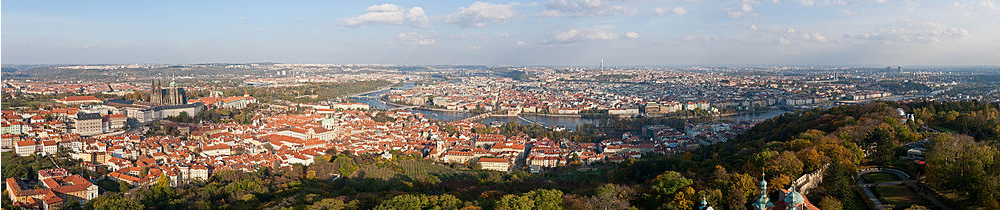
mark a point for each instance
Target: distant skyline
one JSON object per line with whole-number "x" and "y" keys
{"x": 556, "y": 32}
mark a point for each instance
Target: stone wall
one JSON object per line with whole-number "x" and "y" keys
{"x": 806, "y": 182}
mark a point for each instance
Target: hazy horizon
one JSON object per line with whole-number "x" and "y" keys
{"x": 555, "y": 32}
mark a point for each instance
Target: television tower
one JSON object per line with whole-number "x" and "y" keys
{"x": 602, "y": 63}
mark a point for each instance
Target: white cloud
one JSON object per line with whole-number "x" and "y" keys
{"x": 418, "y": 17}
{"x": 674, "y": 11}
{"x": 584, "y": 8}
{"x": 792, "y": 35}
{"x": 632, "y": 35}
{"x": 754, "y": 27}
{"x": 416, "y": 38}
{"x": 746, "y": 7}
{"x": 915, "y": 32}
{"x": 970, "y": 9}
{"x": 574, "y": 35}
{"x": 784, "y": 41}
{"x": 807, "y": 2}
{"x": 848, "y": 12}
{"x": 480, "y": 13}
{"x": 389, "y": 14}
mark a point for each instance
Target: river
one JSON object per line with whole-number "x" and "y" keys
{"x": 570, "y": 123}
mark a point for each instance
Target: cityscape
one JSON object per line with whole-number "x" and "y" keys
{"x": 578, "y": 121}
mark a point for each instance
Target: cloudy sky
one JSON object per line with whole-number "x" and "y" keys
{"x": 574, "y": 32}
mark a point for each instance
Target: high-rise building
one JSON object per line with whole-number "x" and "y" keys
{"x": 172, "y": 95}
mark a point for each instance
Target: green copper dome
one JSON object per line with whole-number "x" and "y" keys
{"x": 793, "y": 197}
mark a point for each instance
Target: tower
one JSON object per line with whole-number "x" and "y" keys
{"x": 763, "y": 202}
{"x": 602, "y": 63}
{"x": 156, "y": 93}
{"x": 704, "y": 204}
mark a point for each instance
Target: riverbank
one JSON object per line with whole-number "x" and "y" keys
{"x": 552, "y": 115}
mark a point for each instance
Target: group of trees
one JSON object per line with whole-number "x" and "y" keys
{"x": 959, "y": 163}
{"x": 977, "y": 119}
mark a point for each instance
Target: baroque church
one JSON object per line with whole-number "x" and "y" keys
{"x": 790, "y": 200}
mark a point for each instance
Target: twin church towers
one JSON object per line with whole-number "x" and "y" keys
{"x": 171, "y": 95}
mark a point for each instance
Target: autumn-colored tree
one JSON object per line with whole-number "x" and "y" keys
{"x": 684, "y": 199}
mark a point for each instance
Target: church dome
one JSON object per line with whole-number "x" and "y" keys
{"x": 794, "y": 197}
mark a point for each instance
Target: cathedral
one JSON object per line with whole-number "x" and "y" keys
{"x": 172, "y": 95}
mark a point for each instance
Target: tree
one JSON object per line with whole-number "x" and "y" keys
{"x": 959, "y": 163}
{"x": 788, "y": 164}
{"x": 546, "y": 198}
{"x": 114, "y": 202}
{"x": 421, "y": 202}
{"x": 882, "y": 144}
{"x": 402, "y": 202}
{"x": 514, "y": 202}
{"x": 830, "y": 203}
{"x": 612, "y": 196}
{"x": 123, "y": 186}
{"x": 917, "y": 207}
{"x": 328, "y": 204}
{"x": 667, "y": 183}
{"x": 684, "y": 199}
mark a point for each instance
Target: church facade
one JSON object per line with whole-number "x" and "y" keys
{"x": 171, "y": 95}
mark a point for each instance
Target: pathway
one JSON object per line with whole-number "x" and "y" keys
{"x": 904, "y": 179}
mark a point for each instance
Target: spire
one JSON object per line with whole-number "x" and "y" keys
{"x": 173, "y": 83}
{"x": 704, "y": 204}
{"x": 763, "y": 202}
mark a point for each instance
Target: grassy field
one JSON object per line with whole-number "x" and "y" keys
{"x": 879, "y": 177}
{"x": 899, "y": 196}
{"x": 408, "y": 169}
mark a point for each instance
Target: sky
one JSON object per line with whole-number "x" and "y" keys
{"x": 554, "y": 32}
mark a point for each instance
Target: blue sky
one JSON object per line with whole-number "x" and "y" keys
{"x": 627, "y": 32}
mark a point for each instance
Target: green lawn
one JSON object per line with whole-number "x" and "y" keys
{"x": 879, "y": 177}
{"x": 899, "y": 196}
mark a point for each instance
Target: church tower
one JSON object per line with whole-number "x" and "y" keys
{"x": 763, "y": 202}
